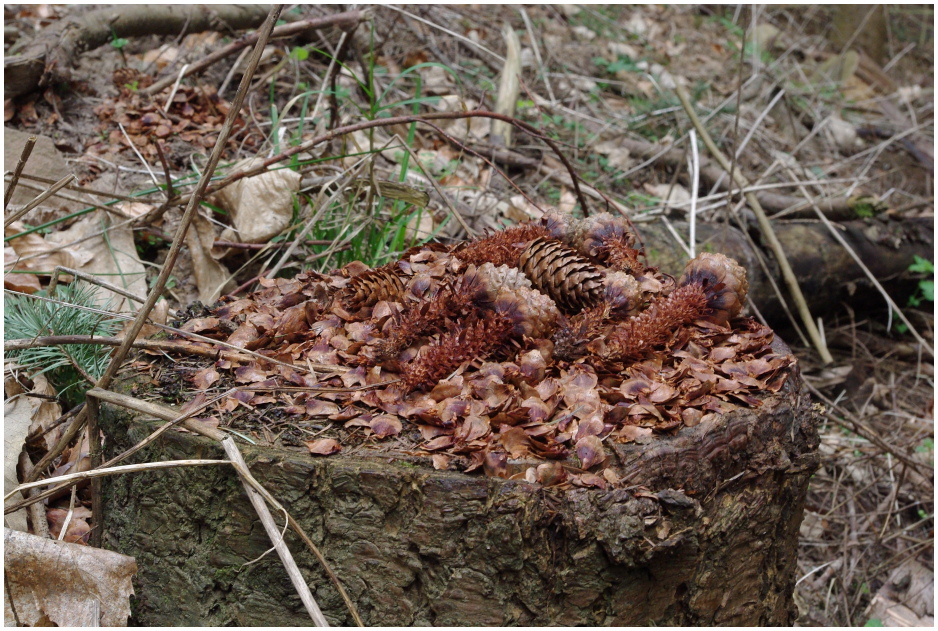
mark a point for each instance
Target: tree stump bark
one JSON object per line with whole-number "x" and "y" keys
{"x": 704, "y": 532}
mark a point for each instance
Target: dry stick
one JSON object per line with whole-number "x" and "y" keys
{"x": 274, "y": 533}
{"x": 854, "y": 424}
{"x": 315, "y": 218}
{"x": 40, "y": 432}
{"x": 866, "y": 270}
{"x": 82, "y": 189}
{"x": 767, "y": 230}
{"x": 27, "y": 149}
{"x": 67, "y": 437}
{"x": 73, "y": 198}
{"x": 39, "y": 199}
{"x": 170, "y": 191}
{"x": 532, "y": 35}
{"x": 153, "y": 345}
{"x": 94, "y": 280}
{"x": 137, "y": 153}
{"x": 470, "y": 233}
{"x": 161, "y": 430}
{"x": 231, "y": 72}
{"x": 167, "y": 414}
{"x": 90, "y": 413}
{"x": 342, "y": 20}
{"x": 74, "y": 478}
{"x": 491, "y": 165}
{"x": 36, "y": 511}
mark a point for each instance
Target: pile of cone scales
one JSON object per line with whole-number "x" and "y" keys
{"x": 542, "y": 340}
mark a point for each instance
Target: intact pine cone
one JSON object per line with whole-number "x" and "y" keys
{"x": 366, "y": 289}
{"x": 561, "y": 273}
{"x": 723, "y": 281}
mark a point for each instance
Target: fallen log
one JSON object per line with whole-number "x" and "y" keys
{"x": 51, "y": 53}
{"x": 824, "y": 269}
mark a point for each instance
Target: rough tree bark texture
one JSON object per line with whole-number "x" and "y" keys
{"x": 704, "y": 533}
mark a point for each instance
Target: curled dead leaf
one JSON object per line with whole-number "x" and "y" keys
{"x": 385, "y": 425}
{"x": 590, "y": 451}
{"x": 323, "y": 446}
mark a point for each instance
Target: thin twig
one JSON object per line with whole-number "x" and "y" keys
{"x": 81, "y": 476}
{"x": 82, "y": 189}
{"x": 695, "y": 183}
{"x": 854, "y": 424}
{"x": 94, "y": 280}
{"x": 532, "y": 35}
{"x": 137, "y": 153}
{"x": 170, "y": 192}
{"x": 39, "y": 199}
{"x": 889, "y": 301}
{"x": 787, "y": 273}
{"x": 42, "y": 431}
{"x": 399, "y": 120}
{"x": 251, "y": 488}
{"x": 194, "y": 336}
{"x": 172, "y": 93}
{"x": 67, "y": 437}
{"x": 18, "y": 171}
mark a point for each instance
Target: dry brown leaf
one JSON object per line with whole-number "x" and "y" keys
{"x": 550, "y": 473}
{"x": 386, "y": 425}
{"x": 590, "y": 451}
{"x": 515, "y": 442}
{"x": 63, "y": 584}
{"x": 210, "y": 275}
{"x": 78, "y": 528}
{"x": 205, "y": 378}
{"x": 633, "y": 433}
{"x": 323, "y": 447}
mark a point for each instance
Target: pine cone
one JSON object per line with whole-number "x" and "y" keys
{"x": 572, "y": 281}
{"x": 723, "y": 281}
{"x": 366, "y": 289}
{"x": 608, "y": 238}
{"x": 532, "y": 313}
{"x": 500, "y": 248}
{"x": 622, "y": 293}
{"x": 499, "y": 277}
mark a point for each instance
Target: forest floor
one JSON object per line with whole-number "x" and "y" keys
{"x": 771, "y": 86}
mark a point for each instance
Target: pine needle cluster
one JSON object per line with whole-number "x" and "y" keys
{"x": 26, "y": 317}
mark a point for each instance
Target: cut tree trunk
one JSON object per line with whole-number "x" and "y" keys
{"x": 704, "y": 531}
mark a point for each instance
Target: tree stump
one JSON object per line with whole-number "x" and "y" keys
{"x": 702, "y": 530}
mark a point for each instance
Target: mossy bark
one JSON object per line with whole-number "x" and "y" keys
{"x": 705, "y": 533}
